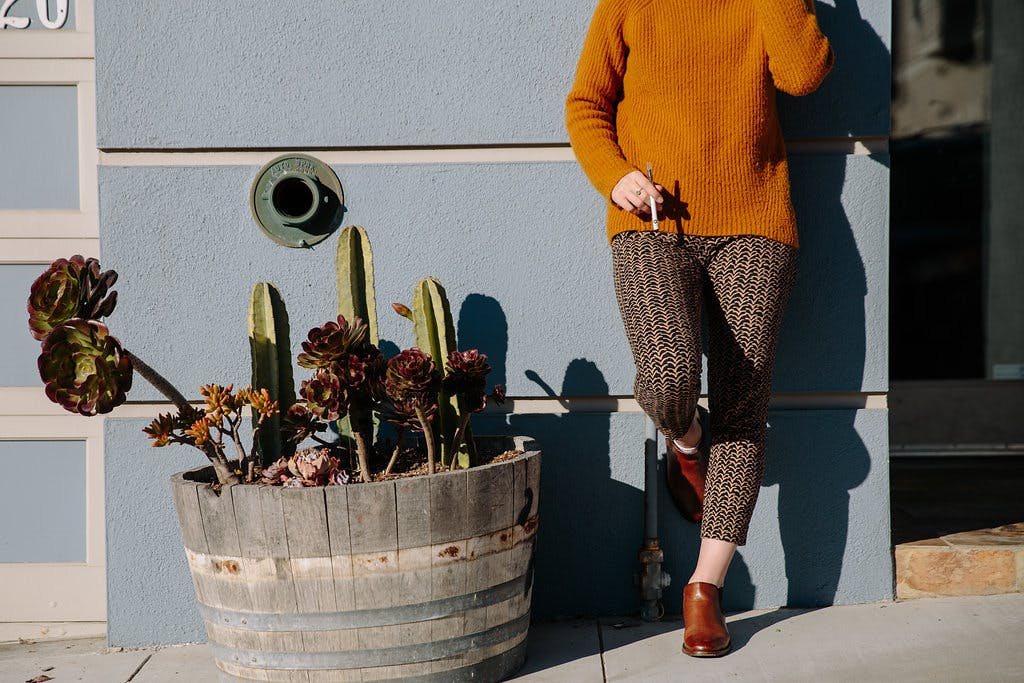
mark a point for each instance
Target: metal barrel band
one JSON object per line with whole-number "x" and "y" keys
{"x": 498, "y": 667}
{"x": 362, "y": 618}
{"x": 352, "y": 659}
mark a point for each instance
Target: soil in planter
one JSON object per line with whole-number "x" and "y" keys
{"x": 412, "y": 461}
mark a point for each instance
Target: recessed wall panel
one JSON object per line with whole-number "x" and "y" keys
{"x": 38, "y": 147}
{"x": 43, "y": 501}
{"x": 18, "y": 361}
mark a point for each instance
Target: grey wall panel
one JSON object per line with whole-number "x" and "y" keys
{"x": 42, "y": 501}
{"x": 39, "y": 147}
{"x": 529, "y": 279}
{"x": 18, "y": 361}
{"x": 820, "y": 533}
{"x": 424, "y": 72}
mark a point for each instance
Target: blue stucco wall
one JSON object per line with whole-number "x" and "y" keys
{"x": 530, "y": 282}
{"x": 298, "y": 74}
{"x": 188, "y": 254}
{"x": 819, "y": 535}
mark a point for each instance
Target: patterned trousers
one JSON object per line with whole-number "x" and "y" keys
{"x": 663, "y": 281}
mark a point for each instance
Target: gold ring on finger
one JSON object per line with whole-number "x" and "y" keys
{"x": 639, "y": 192}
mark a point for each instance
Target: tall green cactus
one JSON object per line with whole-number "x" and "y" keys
{"x": 356, "y": 294}
{"x": 435, "y": 334}
{"x": 270, "y": 347}
{"x": 354, "y": 272}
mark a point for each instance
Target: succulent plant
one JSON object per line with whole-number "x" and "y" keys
{"x": 84, "y": 368}
{"x": 300, "y": 423}
{"x": 332, "y": 340}
{"x": 412, "y": 374}
{"x": 306, "y": 467}
{"x": 466, "y": 378}
{"x": 69, "y": 288}
{"x": 324, "y": 394}
{"x": 434, "y": 330}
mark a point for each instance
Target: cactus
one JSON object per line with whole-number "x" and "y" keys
{"x": 354, "y": 265}
{"x": 356, "y": 296}
{"x": 435, "y": 333}
{"x": 271, "y": 365}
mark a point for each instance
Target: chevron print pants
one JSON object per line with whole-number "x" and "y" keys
{"x": 663, "y": 281}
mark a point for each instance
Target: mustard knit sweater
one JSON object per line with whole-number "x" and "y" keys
{"x": 689, "y": 85}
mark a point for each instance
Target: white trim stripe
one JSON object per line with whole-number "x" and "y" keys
{"x": 460, "y": 155}
{"x": 31, "y": 401}
{"x": 45, "y": 250}
{"x": 36, "y": 71}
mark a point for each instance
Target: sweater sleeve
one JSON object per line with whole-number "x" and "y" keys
{"x": 591, "y": 104}
{"x": 799, "y": 56}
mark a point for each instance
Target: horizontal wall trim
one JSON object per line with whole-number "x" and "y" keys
{"x": 49, "y": 223}
{"x": 424, "y": 155}
{"x": 31, "y": 401}
{"x": 63, "y": 71}
{"x": 45, "y": 250}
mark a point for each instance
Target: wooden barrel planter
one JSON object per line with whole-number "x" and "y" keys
{"x": 415, "y": 579}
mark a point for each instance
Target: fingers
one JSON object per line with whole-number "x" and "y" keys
{"x": 634, "y": 191}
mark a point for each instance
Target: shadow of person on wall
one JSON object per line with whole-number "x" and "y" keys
{"x": 594, "y": 521}
{"x": 814, "y": 492}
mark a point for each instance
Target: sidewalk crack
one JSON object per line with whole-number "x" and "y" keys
{"x": 600, "y": 644}
{"x": 139, "y": 668}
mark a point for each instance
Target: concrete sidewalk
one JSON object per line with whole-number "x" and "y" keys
{"x": 970, "y": 639}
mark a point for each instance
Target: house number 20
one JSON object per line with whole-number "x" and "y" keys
{"x": 42, "y": 10}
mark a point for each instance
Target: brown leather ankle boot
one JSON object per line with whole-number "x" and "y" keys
{"x": 684, "y": 475}
{"x": 706, "y": 634}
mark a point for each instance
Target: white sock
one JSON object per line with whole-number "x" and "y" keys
{"x": 685, "y": 450}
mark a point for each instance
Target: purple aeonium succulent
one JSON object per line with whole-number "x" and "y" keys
{"x": 324, "y": 345}
{"x": 69, "y": 288}
{"x": 324, "y": 393}
{"x": 84, "y": 368}
{"x": 466, "y": 377}
{"x": 411, "y": 375}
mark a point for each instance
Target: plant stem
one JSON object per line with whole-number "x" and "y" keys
{"x": 363, "y": 450}
{"x": 220, "y": 463}
{"x": 428, "y": 436}
{"x": 457, "y": 441}
{"x": 399, "y": 432}
{"x": 158, "y": 382}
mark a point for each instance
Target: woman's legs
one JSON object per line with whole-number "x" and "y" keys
{"x": 659, "y": 283}
{"x": 658, "y": 287}
{"x": 750, "y": 280}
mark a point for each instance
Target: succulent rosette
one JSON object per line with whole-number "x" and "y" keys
{"x": 331, "y": 341}
{"x": 412, "y": 375}
{"x": 84, "y": 368}
{"x": 69, "y": 288}
{"x": 466, "y": 377}
{"x": 300, "y": 423}
{"x": 307, "y": 467}
{"x": 324, "y": 394}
